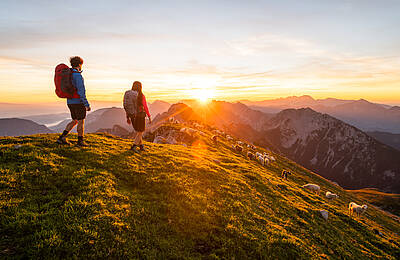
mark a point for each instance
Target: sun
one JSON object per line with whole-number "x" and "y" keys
{"x": 203, "y": 95}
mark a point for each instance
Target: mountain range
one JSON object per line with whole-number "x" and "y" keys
{"x": 362, "y": 114}
{"x": 17, "y": 126}
{"x": 389, "y": 139}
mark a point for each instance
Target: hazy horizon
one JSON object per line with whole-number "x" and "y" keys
{"x": 59, "y": 106}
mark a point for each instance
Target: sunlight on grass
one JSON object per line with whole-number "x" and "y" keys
{"x": 173, "y": 202}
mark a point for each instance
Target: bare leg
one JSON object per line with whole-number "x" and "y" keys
{"x": 81, "y": 127}
{"x": 71, "y": 125}
{"x": 138, "y": 138}
{"x": 134, "y": 138}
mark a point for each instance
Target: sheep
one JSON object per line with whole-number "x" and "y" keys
{"x": 324, "y": 214}
{"x": 216, "y": 131}
{"x": 238, "y": 148}
{"x": 239, "y": 143}
{"x": 272, "y": 158}
{"x": 285, "y": 174}
{"x": 312, "y": 187}
{"x": 250, "y": 146}
{"x": 358, "y": 209}
{"x": 266, "y": 161}
{"x": 250, "y": 155}
{"x": 261, "y": 159}
{"x": 258, "y": 154}
{"x": 214, "y": 138}
{"x": 331, "y": 195}
{"x": 229, "y": 138}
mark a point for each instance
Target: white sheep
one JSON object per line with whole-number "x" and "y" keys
{"x": 357, "y": 209}
{"x": 250, "y": 146}
{"x": 229, "y": 138}
{"x": 258, "y": 154}
{"x": 331, "y": 195}
{"x": 266, "y": 161}
{"x": 312, "y": 187}
{"x": 261, "y": 159}
{"x": 214, "y": 138}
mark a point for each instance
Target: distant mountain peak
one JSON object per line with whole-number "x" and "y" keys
{"x": 159, "y": 102}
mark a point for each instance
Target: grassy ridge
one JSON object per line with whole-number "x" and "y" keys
{"x": 173, "y": 202}
{"x": 386, "y": 201}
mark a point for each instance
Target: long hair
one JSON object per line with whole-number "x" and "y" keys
{"x": 138, "y": 87}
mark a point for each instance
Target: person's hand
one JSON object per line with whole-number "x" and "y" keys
{"x": 128, "y": 120}
{"x": 149, "y": 120}
{"x": 88, "y": 108}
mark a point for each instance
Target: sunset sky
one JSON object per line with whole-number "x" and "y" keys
{"x": 234, "y": 49}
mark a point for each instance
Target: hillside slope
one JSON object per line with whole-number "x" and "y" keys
{"x": 386, "y": 201}
{"x": 173, "y": 202}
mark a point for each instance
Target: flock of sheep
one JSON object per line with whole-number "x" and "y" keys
{"x": 265, "y": 159}
{"x": 354, "y": 208}
{"x": 262, "y": 158}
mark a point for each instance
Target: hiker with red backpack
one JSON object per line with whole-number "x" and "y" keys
{"x": 69, "y": 84}
{"x": 136, "y": 109}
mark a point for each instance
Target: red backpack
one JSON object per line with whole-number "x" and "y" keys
{"x": 63, "y": 82}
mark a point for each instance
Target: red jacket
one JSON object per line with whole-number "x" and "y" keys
{"x": 146, "y": 109}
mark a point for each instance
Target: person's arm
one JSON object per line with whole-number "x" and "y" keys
{"x": 146, "y": 109}
{"x": 77, "y": 81}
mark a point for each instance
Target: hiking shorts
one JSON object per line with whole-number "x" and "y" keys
{"x": 78, "y": 111}
{"x": 138, "y": 123}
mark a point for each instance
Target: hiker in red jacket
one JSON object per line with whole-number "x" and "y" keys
{"x": 136, "y": 109}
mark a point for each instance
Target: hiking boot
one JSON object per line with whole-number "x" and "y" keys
{"x": 82, "y": 144}
{"x": 62, "y": 140}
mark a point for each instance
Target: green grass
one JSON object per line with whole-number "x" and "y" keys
{"x": 173, "y": 202}
{"x": 386, "y": 201}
